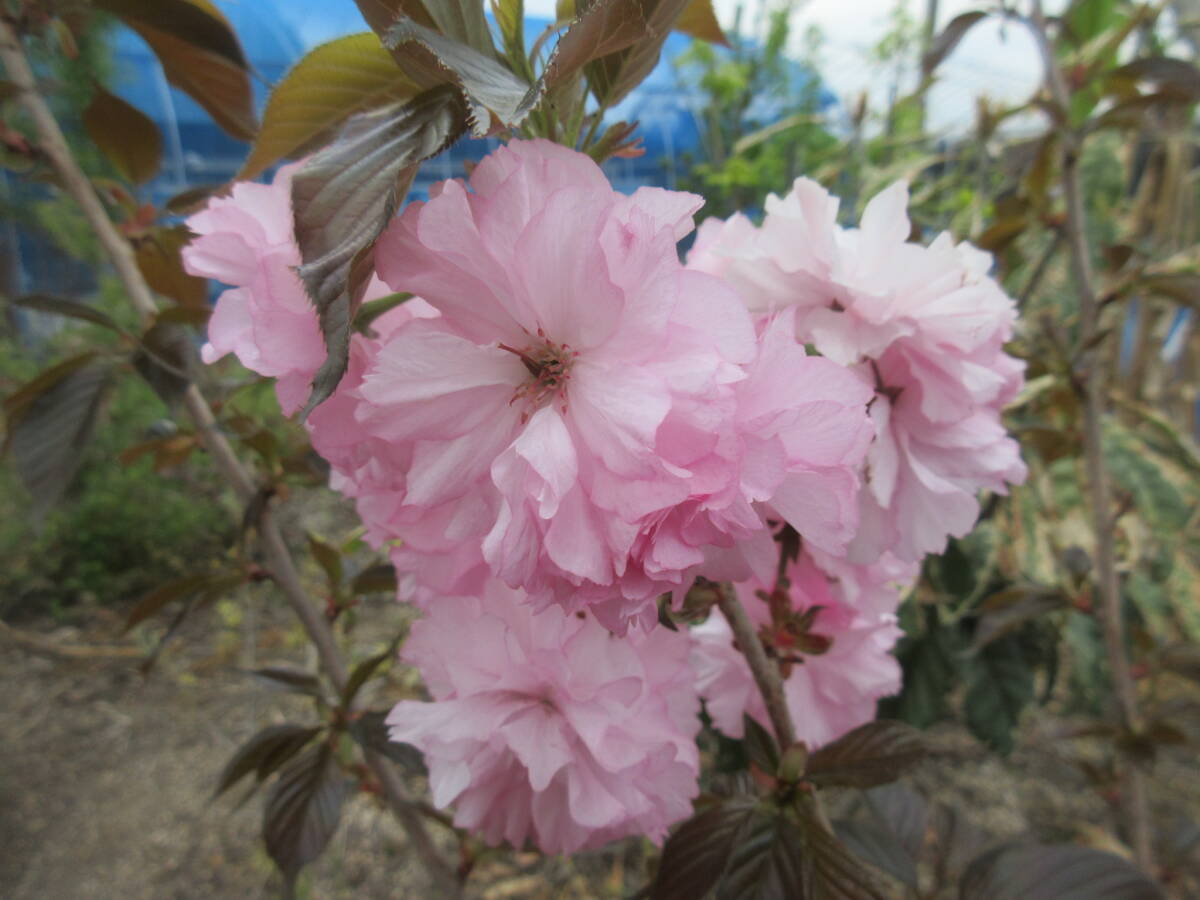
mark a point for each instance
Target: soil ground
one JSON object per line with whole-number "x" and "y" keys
{"x": 106, "y": 780}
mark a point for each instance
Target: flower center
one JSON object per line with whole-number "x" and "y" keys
{"x": 549, "y": 366}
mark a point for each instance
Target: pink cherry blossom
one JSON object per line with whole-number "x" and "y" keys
{"x": 925, "y": 326}
{"x": 546, "y": 728}
{"x": 577, "y": 388}
{"x": 837, "y": 665}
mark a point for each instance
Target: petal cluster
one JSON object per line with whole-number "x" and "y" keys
{"x": 833, "y": 637}
{"x": 924, "y": 325}
{"x": 551, "y": 730}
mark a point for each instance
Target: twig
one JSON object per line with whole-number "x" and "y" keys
{"x": 1134, "y": 795}
{"x": 54, "y": 145}
{"x": 766, "y": 673}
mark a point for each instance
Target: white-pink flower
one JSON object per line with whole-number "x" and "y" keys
{"x": 925, "y": 326}
{"x": 577, "y": 388}
{"x": 546, "y": 728}
{"x": 837, "y": 659}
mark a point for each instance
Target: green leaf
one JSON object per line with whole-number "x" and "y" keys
{"x": 265, "y": 753}
{"x": 166, "y": 358}
{"x": 199, "y": 53}
{"x": 330, "y": 84}
{"x": 124, "y": 134}
{"x": 930, "y": 664}
{"x": 696, "y": 853}
{"x": 1041, "y": 872}
{"x": 302, "y": 810}
{"x": 51, "y": 420}
{"x": 872, "y": 754}
{"x": 496, "y": 98}
{"x": 999, "y": 687}
{"x": 61, "y": 306}
{"x": 345, "y": 194}
{"x": 943, "y": 45}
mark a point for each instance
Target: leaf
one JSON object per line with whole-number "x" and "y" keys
{"x": 872, "y": 754}
{"x": 613, "y": 76}
{"x": 930, "y": 665}
{"x": 1182, "y": 288}
{"x": 294, "y": 681}
{"x": 196, "y": 21}
{"x": 695, "y": 855}
{"x": 943, "y": 45}
{"x": 768, "y": 860}
{"x": 999, "y": 687}
{"x": 510, "y": 20}
{"x": 903, "y": 812}
{"x": 160, "y": 260}
{"x": 165, "y": 358}
{"x": 365, "y": 669}
{"x": 380, "y": 14}
{"x": 377, "y": 579}
{"x": 302, "y": 810}
{"x": 61, "y": 306}
{"x": 496, "y": 98}
{"x": 832, "y": 870}
{"x": 1004, "y": 612}
{"x": 125, "y": 135}
{"x": 1042, "y": 872}
{"x": 1175, "y": 77}
{"x": 370, "y": 731}
{"x": 333, "y": 82}
{"x": 199, "y": 54}
{"x": 761, "y": 745}
{"x": 698, "y": 20}
{"x": 343, "y": 197}
{"x": 875, "y": 844}
{"x": 210, "y": 584}
{"x": 50, "y": 422}
{"x": 329, "y": 559}
{"x": 264, "y": 753}
{"x": 604, "y": 28}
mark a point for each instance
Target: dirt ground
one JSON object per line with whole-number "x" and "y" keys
{"x": 106, "y": 781}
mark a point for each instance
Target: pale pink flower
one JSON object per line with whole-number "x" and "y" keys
{"x": 837, "y": 665}
{"x": 925, "y": 326}
{"x": 577, "y": 387}
{"x": 545, "y": 728}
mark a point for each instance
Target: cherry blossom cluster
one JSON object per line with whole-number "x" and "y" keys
{"x": 567, "y": 426}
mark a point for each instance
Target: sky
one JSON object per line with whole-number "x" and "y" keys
{"x": 1001, "y": 63}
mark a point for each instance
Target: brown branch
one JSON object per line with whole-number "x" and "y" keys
{"x": 1134, "y": 795}
{"x": 56, "y": 150}
{"x": 766, "y": 673}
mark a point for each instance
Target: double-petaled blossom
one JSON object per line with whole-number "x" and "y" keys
{"x": 577, "y": 388}
{"x": 924, "y": 325}
{"x": 545, "y": 727}
{"x": 835, "y": 654}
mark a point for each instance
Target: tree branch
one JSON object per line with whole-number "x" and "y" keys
{"x": 54, "y": 145}
{"x": 1134, "y": 796}
{"x": 766, "y": 673}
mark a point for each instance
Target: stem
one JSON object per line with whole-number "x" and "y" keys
{"x": 1134, "y": 795}
{"x": 766, "y": 674}
{"x": 54, "y": 145}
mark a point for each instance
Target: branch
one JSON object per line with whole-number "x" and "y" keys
{"x": 1135, "y": 795}
{"x": 54, "y": 145}
{"x": 766, "y": 673}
